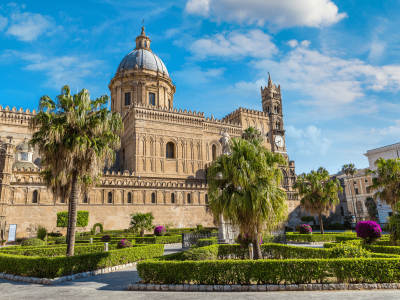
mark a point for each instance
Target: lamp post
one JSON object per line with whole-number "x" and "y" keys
{"x": 250, "y": 251}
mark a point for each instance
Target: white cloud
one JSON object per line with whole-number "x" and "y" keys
{"x": 197, "y": 76}
{"x": 235, "y": 45}
{"x": 329, "y": 82}
{"x": 308, "y": 141}
{"x": 282, "y": 14}
{"x": 293, "y": 43}
{"x": 71, "y": 70}
{"x": 3, "y": 22}
{"x": 28, "y": 26}
{"x": 388, "y": 131}
{"x": 377, "y": 49}
{"x": 305, "y": 43}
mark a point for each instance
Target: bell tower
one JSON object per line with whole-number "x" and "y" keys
{"x": 271, "y": 100}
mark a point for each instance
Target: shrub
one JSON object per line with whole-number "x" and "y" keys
{"x": 141, "y": 222}
{"x": 297, "y": 228}
{"x": 124, "y": 244}
{"x": 41, "y": 233}
{"x": 106, "y": 238}
{"x": 305, "y": 229}
{"x": 204, "y": 231}
{"x": 93, "y": 230}
{"x": 243, "y": 239}
{"x": 199, "y": 227}
{"x": 337, "y": 226}
{"x": 54, "y": 234}
{"x": 159, "y": 231}
{"x": 82, "y": 219}
{"x": 32, "y": 242}
{"x": 369, "y": 231}
{"x": 61, "y": 240}
{"x": 207, "y": 242}
{"x": 348, "y": 251}
{"x": 206, "y": 253}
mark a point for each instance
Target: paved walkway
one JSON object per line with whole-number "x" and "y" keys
{"x": 113, "y": 285}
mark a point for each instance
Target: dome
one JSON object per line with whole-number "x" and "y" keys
{"x": 142, "y": 58}
{"x": 24, "y": 146}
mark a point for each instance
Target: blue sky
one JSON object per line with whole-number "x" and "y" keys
{"x": 337, "y": 62}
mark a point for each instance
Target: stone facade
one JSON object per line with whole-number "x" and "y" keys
{"x": 161, "y": 166}
{"x": 386, "y": 152}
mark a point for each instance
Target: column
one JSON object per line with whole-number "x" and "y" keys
{"x": 166, "y": 97}
{"x": 135, "y": 92}
{"x": 144, "y": 96}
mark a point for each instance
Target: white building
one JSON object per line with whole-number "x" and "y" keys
{"x": 391, "y": 151}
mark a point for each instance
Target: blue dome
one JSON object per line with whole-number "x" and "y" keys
{"x": 143, "y": 59}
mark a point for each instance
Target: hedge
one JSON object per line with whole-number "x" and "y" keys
{"x": 45, "y": 267}
{"x": 270, "y": 271}
{"x": 207, "y": 242}
{"x": 317, "y": 237}
{"x": 141, "y": 240}
{"x": 81, "y": 221}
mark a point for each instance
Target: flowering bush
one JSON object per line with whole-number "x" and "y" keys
{"x": 305, "y": 229}
{"x": 105, "y": 238}
{"x": 124, "y": 244}
{"x": 369, "y": 231}
{"x": 159, "y": 231}
{"x": 297, "y": 228}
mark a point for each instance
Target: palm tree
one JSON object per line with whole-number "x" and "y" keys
{"x": 252, "y": 134}
{"x": 76, "y": 137}
{"x": 386, "y": 180}
{"x": 371, "y": 208}
{"x": 319, "y": 193}
{"x": 350, "y": 170}
{"x": 244, "y": 189}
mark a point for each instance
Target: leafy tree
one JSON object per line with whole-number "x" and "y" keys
{"x": 141, "y": 222}
{"x": 319, "y": 193}
{"x": 350, "y": 170}
{"x": 386, "y": 181}
{"x": 371, "y": 208}
{"x": 244, "y": 189}
{"x": 75, "y": 136}
{"x": 253, "y": 135}
{"x": 307, "y": 219}
{"x": 82, "y": 218}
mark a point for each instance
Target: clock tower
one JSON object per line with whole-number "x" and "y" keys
{"x": 271, "y": 100}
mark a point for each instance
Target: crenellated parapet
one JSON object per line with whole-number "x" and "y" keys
{"x": 15, "y": 116}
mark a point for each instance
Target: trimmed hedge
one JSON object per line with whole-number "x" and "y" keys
{"x": 45, "y": 267}
{"x": 82, "y": 219}
{"x": 207, "y": 242}
{"x": 141, "y": 240}
{"x": 317, "y": 237}
{"x": 270, "y": 271}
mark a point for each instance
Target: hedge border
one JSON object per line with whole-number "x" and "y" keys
{"x": 47, "y": 281}
{"x": 261, "y": 287}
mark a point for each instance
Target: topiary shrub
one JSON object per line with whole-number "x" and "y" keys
{"x": 305, "y": 229}
{"x": 124, "y": 244}
{"x": 348, "y": 251}
{"x": 61, "y": 240}
{"x": 54, "y": 234}
{"x": 33, "y": 242}
{"x": 208, "y": 253}
{"x": 82, "y": 218}
{"x": 369, "y": 231}
{"x": 159, "y": 231}
{"x": 200, "y": 227}
{"x": 105, "y": 238}
{"x": 41, "y": 233}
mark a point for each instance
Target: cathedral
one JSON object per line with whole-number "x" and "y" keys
{"x": 161, "y": 166}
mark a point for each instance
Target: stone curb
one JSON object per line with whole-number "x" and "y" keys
{"x": 58, "y": 280}
{"x": 262, "y": 287}
{"x": 172, "y": 244}
{"x": 307, "y": 243}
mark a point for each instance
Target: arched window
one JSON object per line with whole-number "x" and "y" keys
{"x": 206, "y": 198}
{"x": 170, "y": 150}
{"x": 188, "y": 198}
{"x": 129, "y": 197}
{"x": 62, "y": 200}
{"x": 277, "y": 125}
{"x": 169, "y": 103}
{"x": 153, "y": 197}
{"x": 85, "y": 199}
{"x": 144, "y": 44}
{"x": 109, "y": 197}
{"x": 35, "y": 197}
{"x": 172, "y": 198}
{"x": 276, "y": 109}
{"x": 214, "y": 152}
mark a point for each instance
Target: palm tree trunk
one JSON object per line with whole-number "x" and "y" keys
{"x": 352, "y": 199}
{"x": 256, "y": 248}
{"x": 74, "y": 203}
{"x": 142, "y": 233}
{"x": 69, "y": 221}
{"x": 321, "y": 225}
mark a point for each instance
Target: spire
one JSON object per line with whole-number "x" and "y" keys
{"x": 269, "y": 81}
{"x": 142, "y": 41}
{"x": 143, "y": 33}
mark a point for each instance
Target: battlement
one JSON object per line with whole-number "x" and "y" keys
{"x": 15, "y": 116}
{"x": 242, "y": 110}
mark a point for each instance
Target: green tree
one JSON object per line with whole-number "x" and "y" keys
{"x": 252, "y": 134}
{"x": 76, "y": 137}
{"x": 244, "y": 189}
{"x": 141, "y": 222}
{"x": 319, "y": 193}
{"x": 386, "y": 181}
{"x": 350, "y": 170}
{"x": 371, "y": 208}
